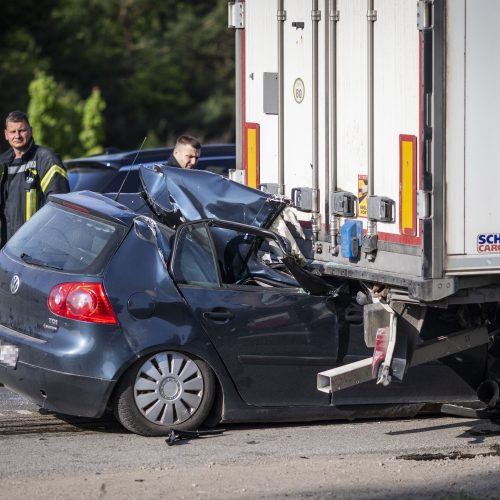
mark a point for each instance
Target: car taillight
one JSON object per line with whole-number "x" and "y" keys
{"x": 82, "y": 301}
{"x": 380, "y": 350}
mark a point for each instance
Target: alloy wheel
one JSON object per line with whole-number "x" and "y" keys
{"x": 168, "y": 388}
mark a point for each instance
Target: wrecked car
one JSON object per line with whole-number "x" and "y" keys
{"x": 189, "y": 304}
{"x": 115, "y": 170}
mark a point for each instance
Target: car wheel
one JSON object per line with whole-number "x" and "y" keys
{"x": 169, "y": 390}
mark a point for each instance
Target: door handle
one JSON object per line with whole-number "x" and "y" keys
{"x": 218, "y": 316}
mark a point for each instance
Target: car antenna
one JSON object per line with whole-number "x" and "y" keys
{"x": 128, "y": 171}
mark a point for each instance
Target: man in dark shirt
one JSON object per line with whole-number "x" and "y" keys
{"x": 186, "y": 152}
{"x": 28, "y": 174}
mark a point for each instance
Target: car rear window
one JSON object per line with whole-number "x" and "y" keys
{"x": 87, "y": 166}
{"x": 90, "y": 179}
{"x": 132, "y": 184}
{"x": 67, "y": 240}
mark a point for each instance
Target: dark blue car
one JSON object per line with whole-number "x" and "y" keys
{"x": 187, "y": 305}
{"x": 107, "y": 173}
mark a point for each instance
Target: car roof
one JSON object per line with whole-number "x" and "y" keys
{"x": 117, "y": 160}
{"x": 180, "y": 194}
{"x": 175, "y": 195}
{"x": 97, "y": 204}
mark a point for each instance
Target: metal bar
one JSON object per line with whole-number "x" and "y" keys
{"x": 332, "y": 91}
{"x": 315, "y": 219}
{"x": 449, "y": 344}
{"x": 327, "y": 114}
{"x": 238, "y": 75}
{"x": 281, "y": 17}
{"x": 360, "y": 371}
{"x": 334, "y": 17}
{"x": 345, "y": 376}
{"x": 371, "y": 17}
{"x": 437, "y": 136}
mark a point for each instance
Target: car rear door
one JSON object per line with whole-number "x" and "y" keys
{"x": 272, "y": 336}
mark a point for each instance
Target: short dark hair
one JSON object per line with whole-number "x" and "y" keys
{"x": 17, "y": 116}
{"x": 188, "y": 139}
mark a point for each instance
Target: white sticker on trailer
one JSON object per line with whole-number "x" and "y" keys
{"x": 488, "y": 243}
{"x": 299, "y": 90}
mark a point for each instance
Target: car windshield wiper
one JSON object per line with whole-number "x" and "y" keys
{"x": 36, "y": 262}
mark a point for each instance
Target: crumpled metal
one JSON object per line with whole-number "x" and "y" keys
{"x": 179, "y": 195}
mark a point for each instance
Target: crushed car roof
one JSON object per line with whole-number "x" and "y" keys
{"x": 176, "y": 195}
{"x": 179, "y": 195}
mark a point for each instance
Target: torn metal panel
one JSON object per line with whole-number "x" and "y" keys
{"x": 179, "y": 195}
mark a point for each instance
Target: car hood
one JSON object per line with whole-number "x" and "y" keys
{"x": 179, "y": 195}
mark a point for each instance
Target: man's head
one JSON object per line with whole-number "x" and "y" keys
{"x": 18, "y": 132}
{"x": 187, "y": 151}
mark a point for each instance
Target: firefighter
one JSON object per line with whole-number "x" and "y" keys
{"x": 28, "y": 174}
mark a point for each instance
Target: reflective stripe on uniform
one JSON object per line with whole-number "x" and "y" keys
{"x": 53, "y": 170}
{"x": 30, "y": 203}
{"x": 19, "y": 169}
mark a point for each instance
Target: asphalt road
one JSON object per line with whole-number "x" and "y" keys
{"x": 45, "y": 456}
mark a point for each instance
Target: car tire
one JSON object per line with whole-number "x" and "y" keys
{"x": 164, "y": 391}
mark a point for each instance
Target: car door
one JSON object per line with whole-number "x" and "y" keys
{"x": 272, "y": 336}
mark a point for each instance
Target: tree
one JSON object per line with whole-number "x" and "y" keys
{"x": 62, "y": 121}
{"x": 92, "y": 133}
{"x": 54, "y": 114}
{"x": 162, "y": 68}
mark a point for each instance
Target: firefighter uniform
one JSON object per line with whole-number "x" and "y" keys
{"x": 25, "y": 184}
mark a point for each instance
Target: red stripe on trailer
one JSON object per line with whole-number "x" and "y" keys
{"x": 400, "y": 238}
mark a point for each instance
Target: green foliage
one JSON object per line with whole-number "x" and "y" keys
{"x": 92, "y": 133}
{"x": 62, "y": 121}
{"x": 54, "y": 114}
{"x": 163, "y": 68}
{"x": 18, "y": 61}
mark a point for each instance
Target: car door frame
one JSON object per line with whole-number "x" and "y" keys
{"x": 274, "y": 355}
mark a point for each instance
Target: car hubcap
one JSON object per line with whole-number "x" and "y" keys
{"x": 168, "y": 388}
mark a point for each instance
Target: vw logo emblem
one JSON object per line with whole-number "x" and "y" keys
{"x": 14, "y": 284}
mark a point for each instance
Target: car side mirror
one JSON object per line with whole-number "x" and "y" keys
{"x": 144, "y": 231}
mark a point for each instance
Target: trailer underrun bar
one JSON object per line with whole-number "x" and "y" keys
{"x": 352, "y": 374}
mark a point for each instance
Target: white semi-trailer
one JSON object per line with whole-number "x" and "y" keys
{"x": 379, "y": 120}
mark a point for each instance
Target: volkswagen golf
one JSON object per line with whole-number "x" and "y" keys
{"x": 188, "y": 304}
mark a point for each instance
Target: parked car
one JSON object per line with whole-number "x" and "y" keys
{"x": 190, "y": 305}
{"x": 106, "y": 173}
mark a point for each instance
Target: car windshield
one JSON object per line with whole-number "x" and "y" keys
{"x": 67, "y": 240}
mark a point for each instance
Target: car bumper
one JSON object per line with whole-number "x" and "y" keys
{"x": 71, "y": 373}
{"x": 57, "y": 391}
